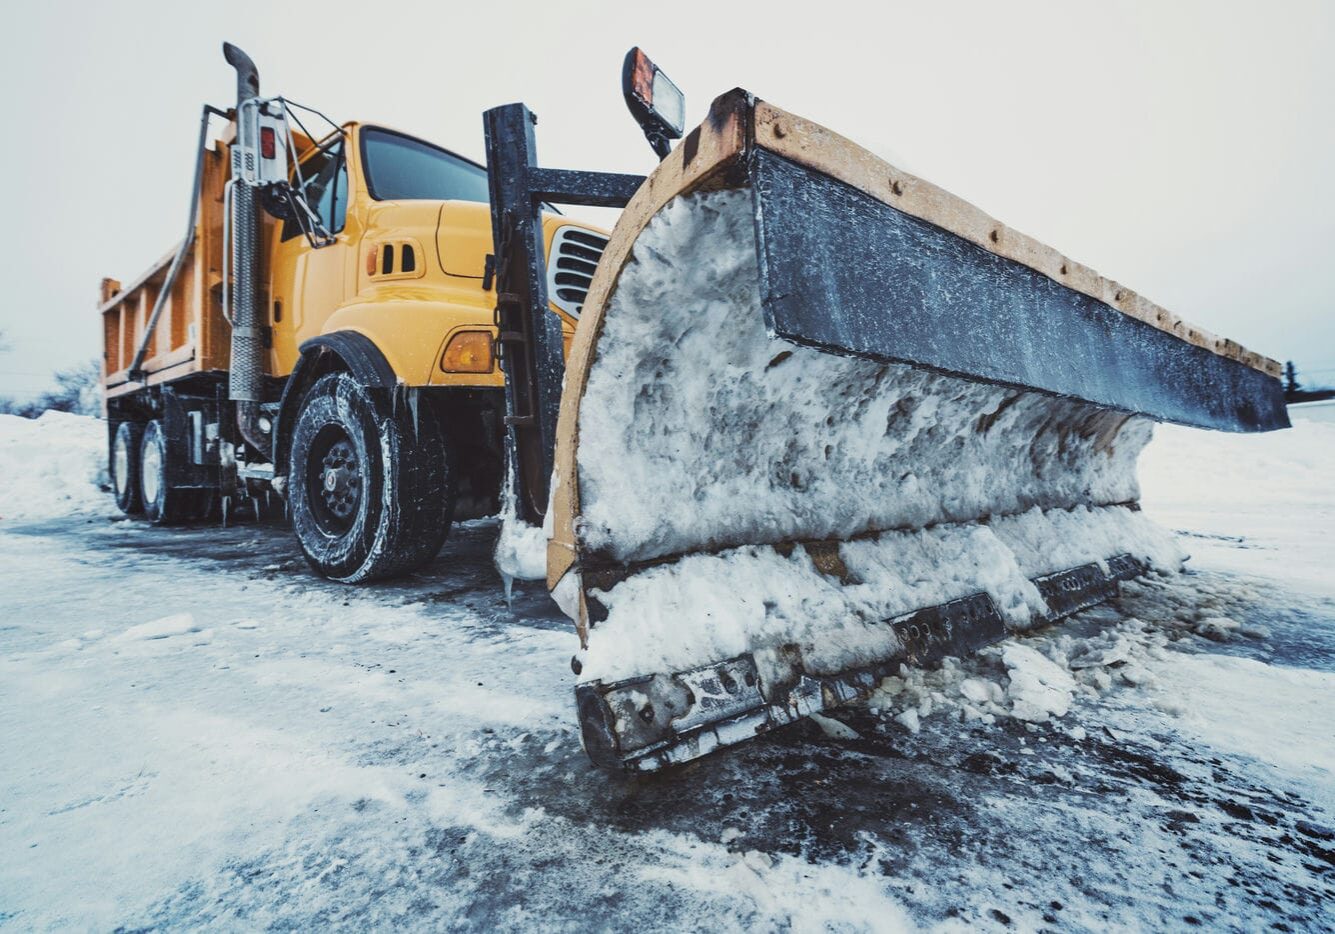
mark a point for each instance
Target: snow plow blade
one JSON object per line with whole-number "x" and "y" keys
{"x": 822, "y": 418}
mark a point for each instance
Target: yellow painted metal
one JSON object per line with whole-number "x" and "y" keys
{"x": 409, "y": 316}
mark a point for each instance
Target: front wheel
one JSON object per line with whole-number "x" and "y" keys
{"x": 371, "y": 494}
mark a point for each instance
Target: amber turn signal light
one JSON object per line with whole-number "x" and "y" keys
{"x": 468, "y": 352}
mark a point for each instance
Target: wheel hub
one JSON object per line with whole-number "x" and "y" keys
{"x": 341, "y": 480}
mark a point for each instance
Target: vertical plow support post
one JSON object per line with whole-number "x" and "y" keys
{"x": 530, "y": 337}
{"x": 530, "y": 333}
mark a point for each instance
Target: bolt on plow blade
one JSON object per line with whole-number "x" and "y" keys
{"x": 822, "y": 419}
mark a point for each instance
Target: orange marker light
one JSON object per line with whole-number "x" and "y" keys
{"x": 370, "y": 261}
{"x": 468, "y": 352}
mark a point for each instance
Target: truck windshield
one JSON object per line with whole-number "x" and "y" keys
{"x": 400, "y": 168}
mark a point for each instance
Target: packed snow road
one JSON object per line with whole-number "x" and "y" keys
{"x": 199, "y": 732}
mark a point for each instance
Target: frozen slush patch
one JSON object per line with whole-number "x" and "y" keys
{"x": 833, "y": 728}
{"x": 54, "y": 465}
{"x": 1276, "y": 714}
{"x": 773, "y": 892}
{"x": 1037, "y": 677}
{"x": 176, "y": 625}
{"x": 1038, "y": 688}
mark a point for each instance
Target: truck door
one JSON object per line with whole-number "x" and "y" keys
{"x": 307, "y": 283}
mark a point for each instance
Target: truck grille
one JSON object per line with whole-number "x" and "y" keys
{"x": 574, "y": 257}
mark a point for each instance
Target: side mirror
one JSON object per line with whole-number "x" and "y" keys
{"x": 657, "y": 104}
{"x": 277, "y": 202}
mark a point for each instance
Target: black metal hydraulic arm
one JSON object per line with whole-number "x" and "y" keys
{"x": 529, "y": 332}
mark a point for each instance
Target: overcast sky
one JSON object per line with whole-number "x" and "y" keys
{"x": 1185, "y": 149}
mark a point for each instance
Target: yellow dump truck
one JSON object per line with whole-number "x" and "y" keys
{"x": 365, "y": 371}
{"x": 801, "y": 418}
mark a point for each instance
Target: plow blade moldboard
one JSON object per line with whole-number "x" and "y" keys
{"x": 822, "y": 418}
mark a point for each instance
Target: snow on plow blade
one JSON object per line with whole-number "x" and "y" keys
{"x": 822, "y": 418}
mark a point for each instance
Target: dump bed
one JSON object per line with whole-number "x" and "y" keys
{"x": 191, "y": 335}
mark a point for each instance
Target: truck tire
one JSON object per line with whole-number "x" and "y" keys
{"x": 124, "y": 467}
{"x": 371, "y": 492}
{"x": 163, "y": 503}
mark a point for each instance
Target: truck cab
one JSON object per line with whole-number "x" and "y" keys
{"x": 408, "y": 265}
{"x": 367, "y": 324}
{"x": 378, "y": 410}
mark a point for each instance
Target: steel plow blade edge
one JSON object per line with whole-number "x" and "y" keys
{"x": 648, "y": 723}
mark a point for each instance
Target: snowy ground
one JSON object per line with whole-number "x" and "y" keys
{"x": 197, "y": 732}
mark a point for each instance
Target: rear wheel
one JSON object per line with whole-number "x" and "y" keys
{"x": 124, "y": 467}
{"x": 371, "y": 494}
{"x": 163, "y": 503}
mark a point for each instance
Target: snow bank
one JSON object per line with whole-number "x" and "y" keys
{"x": 53, "y": 465}
{"x": 1323, "y": 411}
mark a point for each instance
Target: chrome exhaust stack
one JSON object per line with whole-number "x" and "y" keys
{"x": 246, "y": 376}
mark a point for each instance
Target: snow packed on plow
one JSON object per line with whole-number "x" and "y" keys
{"x": 778, "y": 443}
{"x": 201, "y": 733}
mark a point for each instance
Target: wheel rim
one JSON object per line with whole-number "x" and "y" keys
{"x": 334, "y": 480}
{"x": 150, "y": 472}
{"x": 120, "y": 464}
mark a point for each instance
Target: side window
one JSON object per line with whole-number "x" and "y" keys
{"x": 326, "y": 176}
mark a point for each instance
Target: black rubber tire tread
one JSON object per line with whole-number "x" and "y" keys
{"x": 129, "y": 501}
{"x": 407, "y": 495}
{"x": 172, "y": 505}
